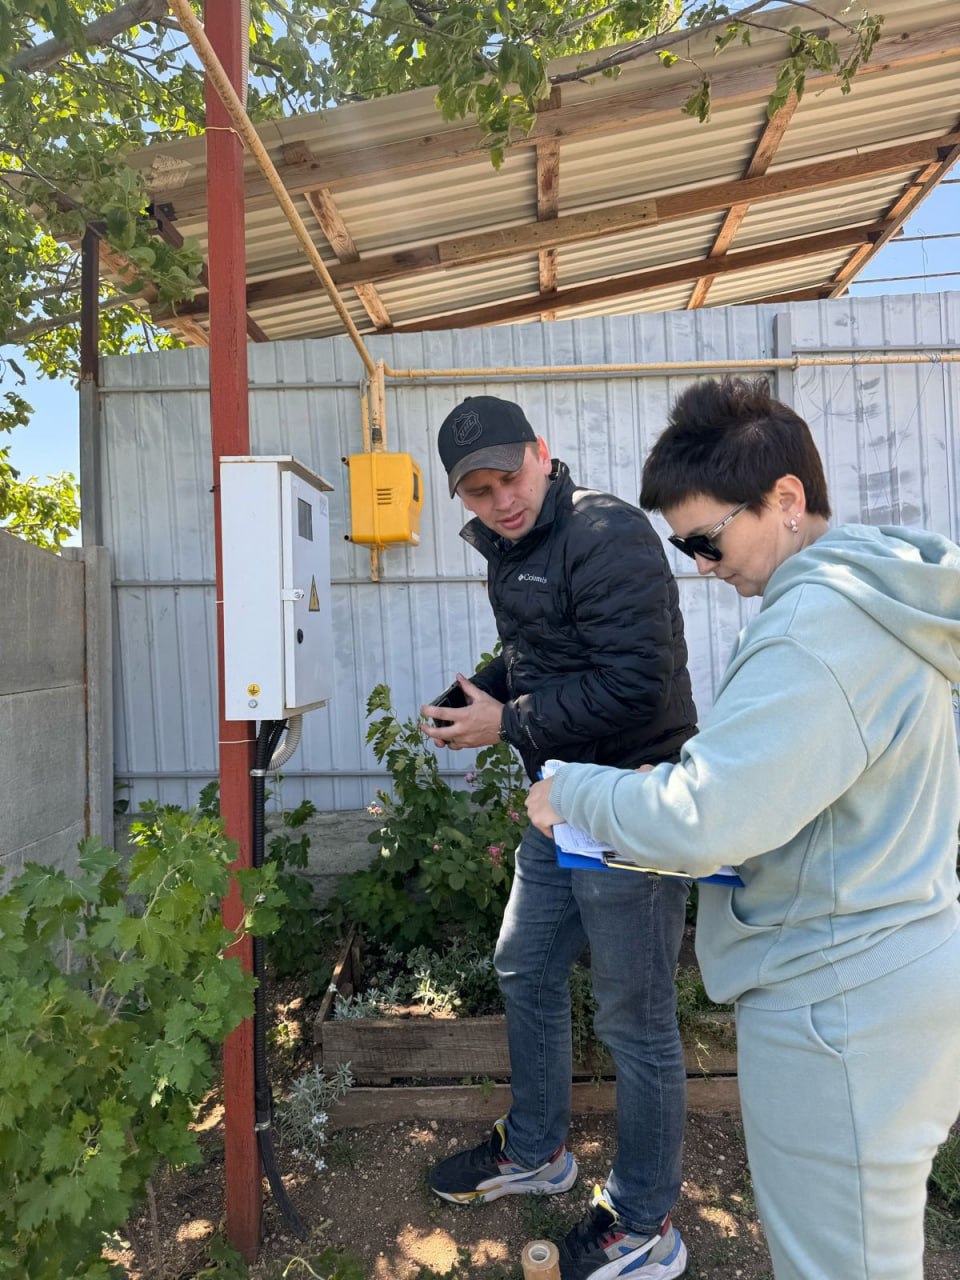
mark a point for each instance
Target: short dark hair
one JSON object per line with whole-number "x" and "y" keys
{"x": 729, "y": 439}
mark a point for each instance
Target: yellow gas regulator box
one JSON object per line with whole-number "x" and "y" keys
{"x": 386, "y": 496}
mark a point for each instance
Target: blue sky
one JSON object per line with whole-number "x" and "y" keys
{"x": 50, "y": 443}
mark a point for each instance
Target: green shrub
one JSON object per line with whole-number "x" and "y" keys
{"x": 446, "y": 855}
{"x": 115, "y": 988}
{"x": 460, "y": 979}
{"x": 304, "y": 1112}
{"x": 293, "y": 951}
{"x": 945, "y": 1177}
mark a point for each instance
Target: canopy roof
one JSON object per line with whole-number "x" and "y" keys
{"x": 615, "y": 202}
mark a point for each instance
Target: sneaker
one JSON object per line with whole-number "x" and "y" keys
{"x": 599, "y": 1248}
{"x": 485, "y": 1173}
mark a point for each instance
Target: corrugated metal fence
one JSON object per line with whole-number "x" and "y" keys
{"x": 888, "y": 434}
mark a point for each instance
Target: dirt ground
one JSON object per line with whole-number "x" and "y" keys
{"x": 373, "y": 1201}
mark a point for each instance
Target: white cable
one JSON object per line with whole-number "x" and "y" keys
{"x": 289, "y": 744}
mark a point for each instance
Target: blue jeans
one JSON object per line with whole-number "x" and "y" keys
{"x": 633, "y": 924}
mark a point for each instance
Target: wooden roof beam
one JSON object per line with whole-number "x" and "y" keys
{"x": 339, "y": 169}
{"x": 813, "y": 293}
{"x": 193, "y": 333}
{"x": 895, "y": 217}
{"x": 572, "y": 228}
{"x": 324, "y": 209}
{"x": 618, "y": 219}
{"x": 766, "y": 149}
{"x": 658, "y": 278}
{"x": 548, "y": 208}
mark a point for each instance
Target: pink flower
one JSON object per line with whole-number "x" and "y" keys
{"x": 470, "y": 778}
{"x": 374, "y": 810}
{"x": 495, "y": 852}
{"x": 514, "y": 817}
{"x": 436, "y": 848}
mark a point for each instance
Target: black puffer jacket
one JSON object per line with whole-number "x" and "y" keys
{"x": 593, "y": 667}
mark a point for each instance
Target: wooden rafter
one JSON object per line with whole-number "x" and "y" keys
{"x": 533, "y": 237}
{"x": 548, "y": 208}
{"x": 121, "y": 268}
{"x": 766, "y": 149}
{"x": 658, "y": 278}
{"x": 813, "y": 293}
{"x": 337, "y": 169}
{"x": 324, "y": 208}
{"x": 192, "y": 332}
{"x": 618, "y": 219}
{"x": 467, "y": 250}
{"x": 895, "y": 217}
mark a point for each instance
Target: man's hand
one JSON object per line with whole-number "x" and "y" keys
{"x": 476, "y": 725}
{"x": 539, "y": 809}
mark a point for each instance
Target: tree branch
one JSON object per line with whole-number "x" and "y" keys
{"x": 102, "y": 31}
{"x": 47, "y": 324}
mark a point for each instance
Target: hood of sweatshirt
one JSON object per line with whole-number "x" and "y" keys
{"x": 907, "y": 580}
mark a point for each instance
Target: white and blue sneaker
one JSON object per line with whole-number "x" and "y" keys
{"x": 600, "y": 1248}
{"x": 486, "y": 1173}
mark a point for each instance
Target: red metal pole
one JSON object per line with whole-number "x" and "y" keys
{"x": 230, "y": 434}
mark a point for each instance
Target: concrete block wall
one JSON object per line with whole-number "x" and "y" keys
{"x": 55, "y": 717}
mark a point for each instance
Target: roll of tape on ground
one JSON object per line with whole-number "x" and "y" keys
{"x": 540, "y": 1261}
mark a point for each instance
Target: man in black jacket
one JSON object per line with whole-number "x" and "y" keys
{"x": 592, "y": 668}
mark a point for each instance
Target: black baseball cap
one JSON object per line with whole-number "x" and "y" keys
{"x": 483, "y": 431}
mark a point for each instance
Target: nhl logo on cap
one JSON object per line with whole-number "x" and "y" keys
{"x": 467, "y": 428}
{"x": 483, "y": 432}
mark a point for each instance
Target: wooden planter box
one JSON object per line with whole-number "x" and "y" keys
{"x": 419, "y": 1049}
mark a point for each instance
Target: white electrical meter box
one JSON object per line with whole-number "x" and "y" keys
{"x": 277, "y": 632}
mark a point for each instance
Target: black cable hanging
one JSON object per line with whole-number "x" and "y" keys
{"x": 271, "y": 731}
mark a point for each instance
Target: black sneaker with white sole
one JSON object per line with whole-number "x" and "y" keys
{"x": 486, "y": 1173}
{"x": 601, "y": 1248}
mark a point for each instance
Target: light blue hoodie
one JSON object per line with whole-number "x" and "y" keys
{"x": 827, "y": 771}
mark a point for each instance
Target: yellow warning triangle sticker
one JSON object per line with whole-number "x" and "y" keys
{"x": 314, "y": 597}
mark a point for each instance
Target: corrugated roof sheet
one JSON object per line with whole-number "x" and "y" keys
{"x": 402, "y": 179}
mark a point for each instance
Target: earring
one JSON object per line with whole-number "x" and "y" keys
{"x": 794, "y": 527}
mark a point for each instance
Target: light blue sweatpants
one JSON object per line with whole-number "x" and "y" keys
{"x": 844, "y": 1105}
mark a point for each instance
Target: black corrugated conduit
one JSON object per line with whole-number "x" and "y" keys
{"x": 265, "y": 758}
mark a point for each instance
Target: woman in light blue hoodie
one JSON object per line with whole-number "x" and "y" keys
{"x": 827, "y": 771}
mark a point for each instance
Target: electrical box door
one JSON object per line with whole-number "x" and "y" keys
{"x": 277, "y": 632}
{"x": 307, "y": 634}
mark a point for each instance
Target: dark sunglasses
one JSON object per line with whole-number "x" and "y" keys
{"x": 702, "y": 544}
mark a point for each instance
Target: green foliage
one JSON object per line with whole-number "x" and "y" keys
{"x": 225, "y": 1263}
{"x": 945, "y": 1177}
{"x": 331, "y": 1264}
{"x": 304, "y": 1112}
{"x": 583, "y": 1010}
{"x": 492, "y": 63}
{"x": 42, "y": 513}
{"x": 115, "y": 988}
{"x": 460, "y": 979}
{"x": 293, "y": 951}
{"x": 692, "y": 999}
{"x": 446, "y": 855}
{"x": 942, "y": 1225}
{"x": 70, "y": 115}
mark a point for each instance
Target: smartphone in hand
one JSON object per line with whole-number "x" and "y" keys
{"x": 452, "y": 696}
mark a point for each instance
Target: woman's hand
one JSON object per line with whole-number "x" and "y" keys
{"x": 539, "y": 809}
